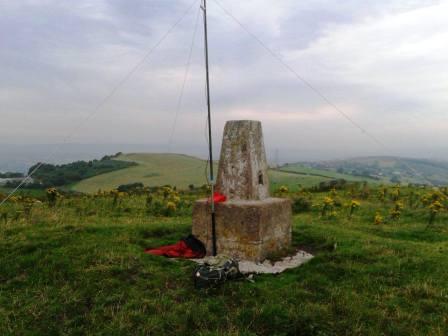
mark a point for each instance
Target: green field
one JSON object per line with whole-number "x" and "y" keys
{"x": 323, "y": 174}
{"x": 293, "y": 181}
{"x": 23, "y": 192}
{"x": 79, "y": 269}
{"x": 177, "y": 170}
{"x": 152, "y": 170}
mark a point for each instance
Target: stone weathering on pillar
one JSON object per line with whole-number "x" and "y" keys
{"x": 250, "y": 225}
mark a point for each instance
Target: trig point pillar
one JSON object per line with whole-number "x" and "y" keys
{"x": 250, "y": 225}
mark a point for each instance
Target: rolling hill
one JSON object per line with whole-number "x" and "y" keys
{"x": 151, "y": 170}
{"x": 182, "y": 170}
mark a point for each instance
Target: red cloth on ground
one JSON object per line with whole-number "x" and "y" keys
{"x": 219, "y": 198}
{"x": 178, "y": 250}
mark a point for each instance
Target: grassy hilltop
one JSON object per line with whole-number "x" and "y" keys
{"x": 75, "y": 265}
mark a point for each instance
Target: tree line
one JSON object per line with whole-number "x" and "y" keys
{"x": 51, "y": 175}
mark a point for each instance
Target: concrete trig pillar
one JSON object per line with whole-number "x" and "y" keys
{"x": 250, "y": 225}
{"x": 243, "y": 169}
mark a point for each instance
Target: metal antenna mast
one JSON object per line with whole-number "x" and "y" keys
{"x": 210, "y": 146}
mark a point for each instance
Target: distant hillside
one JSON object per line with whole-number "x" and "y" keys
{"x": 151, "y": 170}
{"x": 178, "y": 170}
{"x": 386, "y": 169}
{"x": 20, "y": 157}
{"x": 48, "y": 175}
{"x": 182, "y": 170}
{"x": 306, "y": 169}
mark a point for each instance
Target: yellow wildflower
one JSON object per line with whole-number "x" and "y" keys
{"x": 436, "y": 206}
{"x": 379, "y": 219}
{"x": 328, "y": 201}
{"x": 171, "y": 206}
{"x": 283, "y": 189}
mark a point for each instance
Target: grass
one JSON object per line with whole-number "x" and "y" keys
{"x": 293, "y": 181}
{"x": 24, "y": 192}
{"x": 174, "y": 169}
{"x": 79, "y": 268}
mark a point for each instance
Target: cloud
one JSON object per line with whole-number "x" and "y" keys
{"x": 403, "y": 53}
{"x": 382, "y": 62}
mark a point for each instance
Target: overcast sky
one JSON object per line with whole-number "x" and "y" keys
{"x": 383, "y": 62}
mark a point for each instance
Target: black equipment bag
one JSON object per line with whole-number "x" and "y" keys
{"x": 215, "y": 271}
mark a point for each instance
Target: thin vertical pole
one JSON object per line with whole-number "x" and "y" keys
{"x": 210, "y": 145}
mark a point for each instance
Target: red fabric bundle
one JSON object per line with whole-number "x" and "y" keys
{"x": 180, "y": 249}
{"x": 219, "y": 198}
{"x": 189, "y": 247}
